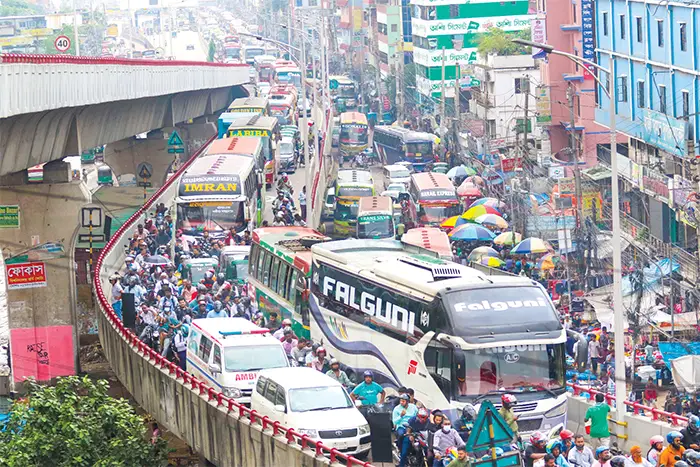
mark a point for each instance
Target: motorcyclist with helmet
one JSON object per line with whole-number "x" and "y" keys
{"x": 536, "y": 450}
{"x": 674, "y": 450}
{"x": 465, "y": 422}
{"x": 220, "y": 279}
{"x": 657, "y": 445}
{"x": 692, "y": 457}
{"x": 339, "y": 375}
{"x": 402, "y": 413}
{"x": 283, "y": 184}
{"x": 567, "y": 441}
{"x": 368, "y": 392}
{"x": 603, "y": 456}
{"x": 691, "y": 433}
{"x": 508, "y": 401}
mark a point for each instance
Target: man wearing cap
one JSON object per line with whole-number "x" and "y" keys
{"x": 339, "y": 375}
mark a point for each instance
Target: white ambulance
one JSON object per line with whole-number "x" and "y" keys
{"x": 228, "y": 353}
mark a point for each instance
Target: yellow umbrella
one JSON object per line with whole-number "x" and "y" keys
{"x": 492, "y": 262}
{"x": 476, "y": 211}
{"x": 452, "y": 222}
{"x": 506, "y": 238}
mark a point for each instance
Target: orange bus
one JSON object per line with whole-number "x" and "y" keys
{"x": 435, "y": 198}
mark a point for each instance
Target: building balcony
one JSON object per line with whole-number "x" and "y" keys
{"x": 483, "y": 99}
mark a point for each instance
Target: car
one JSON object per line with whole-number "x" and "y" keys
{"x": 408, "y": 165}
{"x": 315, "y": 405}
{"x": 398, "y": 187}
{"x": 288, "y": 161}
{"x": 328, "y": 205}
{"x": 396, "y": 173}
{"x": 335, "y": 136}
{"x": 190, "y": 46}
{"x": 230, "y": 352}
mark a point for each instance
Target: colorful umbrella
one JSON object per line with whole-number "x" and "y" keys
{"x": 476, "y": 211}
{"x": 508, "y": 238}
{"x": 454, "y": 221}
{"x": 491, "y": 202}
{"x": 482, "y": 252}
{"x": 529, "y": 246}
{"x": 471, "y": 232}
{"x": 467, "y": 189}
{"x": 492, "y": 262}
{"x": 492, "y": 220}
{"x": 547, "y": 261}
{"x": 460, "y": 171}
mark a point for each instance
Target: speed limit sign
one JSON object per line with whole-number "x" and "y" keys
{"x": 62, "y": 43}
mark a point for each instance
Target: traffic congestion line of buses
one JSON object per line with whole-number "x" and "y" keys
{"x": 386, "y": 301}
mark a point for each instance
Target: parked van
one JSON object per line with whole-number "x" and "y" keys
{"x": 230, "y": 352}
{"x": 396, "y": 174}
{"x": 313, "y": 404}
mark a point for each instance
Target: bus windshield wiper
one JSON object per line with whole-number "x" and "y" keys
{"x": 489, "y": 393}
{"x": 541, "y": 387}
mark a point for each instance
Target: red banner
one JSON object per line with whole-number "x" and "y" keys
{"x": 25, "y": 275}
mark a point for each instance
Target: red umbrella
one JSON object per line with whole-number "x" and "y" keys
{"x": 468, "y": 189}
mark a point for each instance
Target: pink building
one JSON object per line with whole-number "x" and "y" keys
{"x": 564, "y": 32}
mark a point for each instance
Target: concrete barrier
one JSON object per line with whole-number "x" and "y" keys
{"x": 220, "y": 429}
{"x": 634, "y": 429}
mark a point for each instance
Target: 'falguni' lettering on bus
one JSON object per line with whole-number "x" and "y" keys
{"x": 385, "y": 311}
{"x": 500, "y": 306}
{"x": 209, "y": 187}
{"x": 512, "y": 348}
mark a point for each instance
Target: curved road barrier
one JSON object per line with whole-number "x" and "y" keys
{"x": 220, "y": 429}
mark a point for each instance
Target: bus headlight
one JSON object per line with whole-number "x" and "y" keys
{"x": 557, "y": 411}
{"x": 363, "y": 430}
{"x": 232, "y": 392}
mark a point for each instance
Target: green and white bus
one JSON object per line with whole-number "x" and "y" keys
{"x": 279, "y": 269}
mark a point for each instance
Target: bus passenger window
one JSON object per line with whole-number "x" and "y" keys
{"x": 273, "y": 274}
{"x": 284, "y": 269}
{"x": 291, "y": 286}
{"x": 266, "y": 269}
{"x": 253, "y": 261}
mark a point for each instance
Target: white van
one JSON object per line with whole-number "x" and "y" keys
{"x": 313, "y": 404}
{"x": 230, "y": 352}
{"x": 396, "y": 174}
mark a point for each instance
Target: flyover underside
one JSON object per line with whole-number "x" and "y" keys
{"x": 30, "y": 139}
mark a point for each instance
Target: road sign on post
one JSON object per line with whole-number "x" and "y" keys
{"x": 175, "y": 139}
{"x": 62, "y": 43}
{"x": 144, "y": 170}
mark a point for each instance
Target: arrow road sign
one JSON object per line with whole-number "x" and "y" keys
{"x": 175, "y": 139}
{"x": 144, "y": 170}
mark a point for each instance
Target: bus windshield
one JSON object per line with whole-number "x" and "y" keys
{"x": 279, "y": 111}
{"x": 345, "y": 212}
{"x": 253, "y": 52}
{"x": 375, "y": 226}
{"x": 254, "y": 357}
{"x": 265, "y": 73}
{"x": 432, "y": 214}
{"x": 522, "y": 368}
{"x": 214, "y": 215}
{"x": 233, "y": 52}
{"x": 419, "y": 148}
{"x": 353, "y": 134}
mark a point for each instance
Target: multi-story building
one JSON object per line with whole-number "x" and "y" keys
{"x": 447, "y": 33}
{"x": 388, "y": 37}
{"x": 653, "y": 49}
{"x": 569, "y": 27}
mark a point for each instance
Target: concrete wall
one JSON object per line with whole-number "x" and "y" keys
{"x": 638, "y": 430}
{"x": 43, "y": 317}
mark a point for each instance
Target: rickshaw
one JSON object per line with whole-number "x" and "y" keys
{"x": 104, "y": 176}
{"x": 194, "y": 268}
{"x": 233, "y": 262}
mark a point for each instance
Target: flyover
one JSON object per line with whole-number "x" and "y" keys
{"x": 53, "y": 106}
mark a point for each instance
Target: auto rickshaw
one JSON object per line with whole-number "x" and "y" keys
{"x": 233, "y": 262}
{"x": 194, "y": 268}
{"x": 104, "y": 176}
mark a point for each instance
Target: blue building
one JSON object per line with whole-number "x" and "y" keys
{"x": 653, "y": 50}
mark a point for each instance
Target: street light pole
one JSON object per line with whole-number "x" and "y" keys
{"x": 618, "y": 314}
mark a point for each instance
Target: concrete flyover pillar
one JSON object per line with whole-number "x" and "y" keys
{"x": 40, "y": 282}
{"x": 124, "y": 156}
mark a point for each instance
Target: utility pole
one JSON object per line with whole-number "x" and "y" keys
{"x": 574, "y": 149}
{"x": 400, "y": 82}
{"x": 456, "y": 120}
{"x": 442, "y": 101}
{"x": 305, "y": 123}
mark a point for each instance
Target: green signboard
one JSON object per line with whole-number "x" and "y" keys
{"x": 373, "y": 218}
{"x": 9, "y": 217}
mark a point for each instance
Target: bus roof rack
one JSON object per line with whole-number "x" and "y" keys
{"x": 303, "y": 243}
{"x": 439, "y": 269}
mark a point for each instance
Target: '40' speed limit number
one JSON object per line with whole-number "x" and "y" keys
{"x": 62, "y": 43}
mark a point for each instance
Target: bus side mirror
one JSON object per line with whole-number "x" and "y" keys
{"x": 460, "y": 365}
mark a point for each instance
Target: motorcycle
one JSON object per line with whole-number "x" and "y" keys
{"x": 417, "y": 450}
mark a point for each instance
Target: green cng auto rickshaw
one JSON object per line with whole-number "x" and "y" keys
{"x": 233, "y": 262}
{"x": 104, "y": 176}
{"x": 194, "y": 268}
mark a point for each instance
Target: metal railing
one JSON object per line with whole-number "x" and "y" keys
{"x": 674, "y": 418}
{"x": 71, "y": 59}
{"x": 187, "y": 380}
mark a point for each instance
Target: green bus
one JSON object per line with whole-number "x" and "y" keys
{"x": 279, "y": 273}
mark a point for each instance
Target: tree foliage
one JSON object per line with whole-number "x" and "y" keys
{"x": 499, "y": 42}
{"x": 48, "y": 46}
{"x": 76, "y": 423}
{"x": 19, "y": 8}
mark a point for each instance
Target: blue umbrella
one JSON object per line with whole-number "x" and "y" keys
{"x": 529, "y": 246}
{"x": 471, "y": 232}
{"x": 461, "y": 221}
